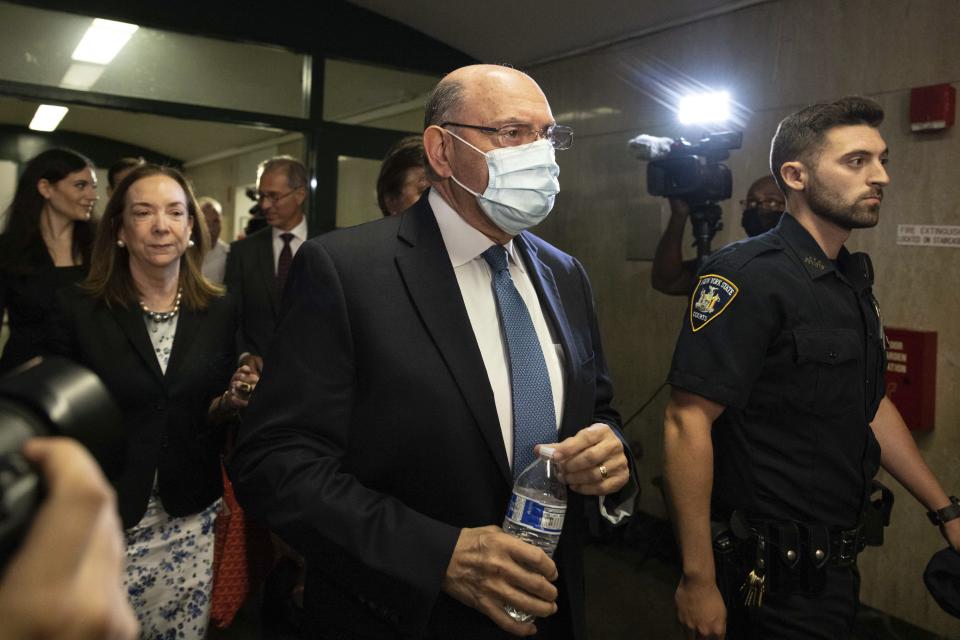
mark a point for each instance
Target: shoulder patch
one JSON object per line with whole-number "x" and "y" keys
{"x": 712, "y": 295}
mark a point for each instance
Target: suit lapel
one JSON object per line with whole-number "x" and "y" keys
{"x": 425, "y": 268}
{"x": 132, "y": 324}
{"x": 266, "y": 269}
{"x": 188, "y": 323}
{"x": 543, "y": 281}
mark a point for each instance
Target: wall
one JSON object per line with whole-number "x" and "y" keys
{"x": 357, "y": 190}
{"x": 774, "y": 58}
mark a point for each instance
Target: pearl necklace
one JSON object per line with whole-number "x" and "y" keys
{"x": 163, "y": 316}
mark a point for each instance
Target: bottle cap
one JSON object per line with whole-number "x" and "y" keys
{"x": 547, "y": 452}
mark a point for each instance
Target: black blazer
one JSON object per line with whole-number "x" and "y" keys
{"x": 29, "y": 299}
{"x": 373, "y": 436}
{"x": 164, "y": 416}
{"x": 250, "y": 278}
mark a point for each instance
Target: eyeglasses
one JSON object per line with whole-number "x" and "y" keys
{"x": 274, "y": 198}
{"x": 513, "y": 135}
{"x": 767, "y": 204}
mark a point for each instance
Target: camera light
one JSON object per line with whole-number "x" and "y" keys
{"x": 47, "y": 117}
{"x": 103, "y": 41}
{"x": 704, "y": 107}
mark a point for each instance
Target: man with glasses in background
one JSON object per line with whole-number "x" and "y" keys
{"x": 673, "y": 275}
{"x": 257, "y": 266}
{"x": 419, "y": 361}
{"x": 256, "y": 272}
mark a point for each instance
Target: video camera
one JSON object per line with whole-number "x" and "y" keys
{"x": 256, "y": 221}
{"x": 255, "y": 210}
{"x": 48, "y": 397}
{"x": 692, "y": 172}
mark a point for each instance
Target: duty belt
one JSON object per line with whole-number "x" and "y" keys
{"x": 843, "y": 548}
{"x": 820, "y": 544}
{"x": 787, "y": 556}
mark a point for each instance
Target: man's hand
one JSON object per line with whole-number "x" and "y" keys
{"x": 253, "y": 361}
{"x": 669, "y": 273}
{"x": 490, "y": 569}
{"x": 66, "y": 579}
{"x": 242, "y": 384}
{"x": 700, "y": 609}
{"x": 679, "y": 208}
{"x": 593, "y": 462}
{"x": 951, "y": 533}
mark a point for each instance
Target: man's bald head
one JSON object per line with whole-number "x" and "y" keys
{"x": 763, "y": 206}
{"x": 762, "y": 184}
{"x": 463, "y": 86}
{"x": 479, "y": 94}
{"x": 472, "y": 112}
{"x": 766, "y": 194}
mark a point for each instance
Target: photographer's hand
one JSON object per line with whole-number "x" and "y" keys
{"x": 670, "y": 274}
{"x": 66, "y": 579}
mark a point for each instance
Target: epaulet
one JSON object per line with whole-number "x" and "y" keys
{"x": 737, "y": 255}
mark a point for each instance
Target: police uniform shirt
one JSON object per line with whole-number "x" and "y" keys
{"x": 790, "y": 343}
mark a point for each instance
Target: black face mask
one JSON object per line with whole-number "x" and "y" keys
{"x": 756, "y": 221}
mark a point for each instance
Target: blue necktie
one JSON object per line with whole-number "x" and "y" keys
{"x": 534, "y": 421}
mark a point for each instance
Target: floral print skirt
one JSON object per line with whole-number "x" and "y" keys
{"x": 169, "y": 572}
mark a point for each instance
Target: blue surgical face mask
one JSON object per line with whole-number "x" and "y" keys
{"x": 521, "y": 186}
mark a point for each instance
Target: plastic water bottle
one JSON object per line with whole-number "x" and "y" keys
{"x": 536, "y": 510}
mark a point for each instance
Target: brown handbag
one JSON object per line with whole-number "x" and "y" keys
{"x": 242, "y": 557}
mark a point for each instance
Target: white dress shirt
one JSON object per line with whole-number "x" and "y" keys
{"x": 299, "y": 237}
{"x": 465, "y": 246}
{"x": 215, "y": 262}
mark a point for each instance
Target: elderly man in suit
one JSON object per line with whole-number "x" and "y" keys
{"x": 257, "y": 266}
{"x": 419, "y": 361}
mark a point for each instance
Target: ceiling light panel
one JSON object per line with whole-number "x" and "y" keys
{"x": 103, "y": 41}
{"x": 47, "y": 117}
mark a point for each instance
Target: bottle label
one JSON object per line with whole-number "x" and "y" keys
{"x": 538, "y": 516}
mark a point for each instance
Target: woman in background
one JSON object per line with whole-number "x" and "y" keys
{"x": 161, "y": 337}
{"x": 46, "y": 245}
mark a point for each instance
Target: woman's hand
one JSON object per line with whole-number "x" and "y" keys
{"x": 242, "y": 384}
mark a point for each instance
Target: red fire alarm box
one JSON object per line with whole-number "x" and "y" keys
{"x": 912, "y": 375}
{"x": 932, "y": 108}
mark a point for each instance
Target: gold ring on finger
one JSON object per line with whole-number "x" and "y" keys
{"x": 603, "y": 472}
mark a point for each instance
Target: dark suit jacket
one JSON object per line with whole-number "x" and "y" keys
{"x": 29, "y": 300}
{"x": 373, "y": 436}
{"x": 164, "y": 416}
{"x": 250, "y": 278}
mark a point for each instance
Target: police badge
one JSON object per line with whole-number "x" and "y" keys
{"x": 711, "y": 297}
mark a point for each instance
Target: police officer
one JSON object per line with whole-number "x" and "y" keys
{"x": 777, "y": 418}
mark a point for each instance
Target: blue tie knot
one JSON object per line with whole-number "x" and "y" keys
{"x": 496, "y": 257}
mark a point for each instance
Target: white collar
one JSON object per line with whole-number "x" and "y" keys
{"x": 463, "y": 242}
{"x": 299, "y": 231}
